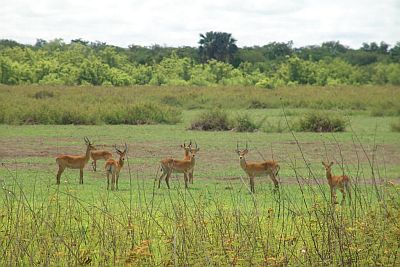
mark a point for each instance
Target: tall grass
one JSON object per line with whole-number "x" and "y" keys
{"x": 56, "y": 225}
{"x": 59, "y": 112}
{"x": 94, "y": 105}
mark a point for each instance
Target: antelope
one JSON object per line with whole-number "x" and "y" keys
{"x": 186, "y": 156}
{"x": 114, "y": 167}
{"x": 99, "y": 154}
{"x": 253, "y": 169}
{"x": 74, "y": 162}
{"x": 184, "y": 166}
{"x": 342, "y": 182}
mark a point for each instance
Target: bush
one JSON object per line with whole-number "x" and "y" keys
{"x": 211, "y": 120}
{"x": 243, "y": 123}
{"x": 149, "y": 113}
{"x": 43, "y": 94}
{"x": 322, "y": 122}
{"x": 266, "y": 83}
{"x": 257, "y": 104}
{"x": 395, "y": 126}
{"x": 171, "y": 100}
{"x": 278, "y": 127}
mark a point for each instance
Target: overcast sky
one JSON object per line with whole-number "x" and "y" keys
{"x": 179, "y": 22}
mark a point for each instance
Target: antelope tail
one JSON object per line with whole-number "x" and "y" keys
{"x": 108, "y": 168}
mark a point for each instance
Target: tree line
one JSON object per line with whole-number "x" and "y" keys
{"x": 216, "y": 61}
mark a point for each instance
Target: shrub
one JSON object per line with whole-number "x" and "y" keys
{"x": 243, "y": 123}
{"x": 211, "y": 120}
{"x": 278, "y": 127}
{"x": 170, "y": 100}
{"x": 266, "y": 83}
{"x": 395, "y": 126}
{"x": 257, "y": 104}
{"x": 43, "y": 94}
{"x": 322, "y": 122}
{"x": 149, "y": 113}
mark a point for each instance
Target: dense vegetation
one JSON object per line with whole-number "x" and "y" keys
{"x": 149, "y": 105}
{"x": 217, "y": 61}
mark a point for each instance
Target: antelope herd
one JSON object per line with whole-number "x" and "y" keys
{"x": 186, "y": 166}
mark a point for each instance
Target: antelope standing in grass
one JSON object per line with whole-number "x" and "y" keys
{"x": 188, "y": 149}
{"x": 114, "y": 167}
{"x": 185, "y": 166}
{"x": 99, "y": 154}
{"x": 342, "y": 182}
{"x": 74, "y": 162}
{"x": 260, "y": 168}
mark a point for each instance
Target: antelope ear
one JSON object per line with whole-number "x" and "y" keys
{"x": 331, "y": 163}
{"x": 246, "y": 151}
{"x": 323, "y": 163}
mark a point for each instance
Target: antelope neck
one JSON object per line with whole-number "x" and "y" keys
{"x": 243, "y": 163}
{"x": 328, "y": 175}
{"x": 87, "y": 155}
{"x": 187, "y": 156}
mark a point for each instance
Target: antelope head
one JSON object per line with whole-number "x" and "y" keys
{"x": 241, "y": 152}
{"x": 89, "y": 144}
{"x": 193, "y": 151}
{"x": 121, "y": 154}
{"x": 327, "y": 166}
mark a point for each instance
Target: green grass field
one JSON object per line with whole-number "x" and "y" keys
{"x": 217, "y": 221}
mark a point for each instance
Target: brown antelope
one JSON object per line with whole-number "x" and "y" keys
{"x": 342, "y": 182}
{"x": 114, "y": 167}
{"x": 188, "y": 149}
{"x": 185, "y": 166}
{"x": 99, "y": 154}
{"x": 253, "y": 169}
{"x": 74, "y": 162}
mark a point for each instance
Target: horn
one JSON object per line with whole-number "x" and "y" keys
{"x": 126, "y": 148}
{"x": 195, "y": 144}
{"x": 190, "y": 144}
{"x": 115, "y": 146}
{"x": 237, "y": 145}
{"x": 87, "y": 141}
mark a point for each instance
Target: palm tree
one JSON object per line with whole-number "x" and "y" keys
{"x": 217, "y": 45}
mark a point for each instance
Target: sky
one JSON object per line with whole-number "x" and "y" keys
{"x": 179, "y": 22}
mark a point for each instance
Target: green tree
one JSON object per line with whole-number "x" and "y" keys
{"x": 217, "y": 45}
{"x": 276, "y": 50}
{"x": 394, "y": 53}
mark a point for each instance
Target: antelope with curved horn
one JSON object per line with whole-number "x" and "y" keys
{"x": 170, "y": 165}
{"x": 342, "y": 182}
{"x": 114, "y": 167}
{"x": 187, "y": 149}
{"x": 74, "y": 162}
{"x": 99, "y": 154}
{"x": 253, "y": 169}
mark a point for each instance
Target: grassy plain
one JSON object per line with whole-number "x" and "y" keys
{"x": 217, "y": 221}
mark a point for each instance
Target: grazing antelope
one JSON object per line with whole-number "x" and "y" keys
{"x": 114, "y": 167}
{"x": 342, "y": 182}
{"x": 99, "y": 154}
{"x": 170, "y": 165}
{"x": 253, "y": 169}
{"x": 74, "y": 162}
